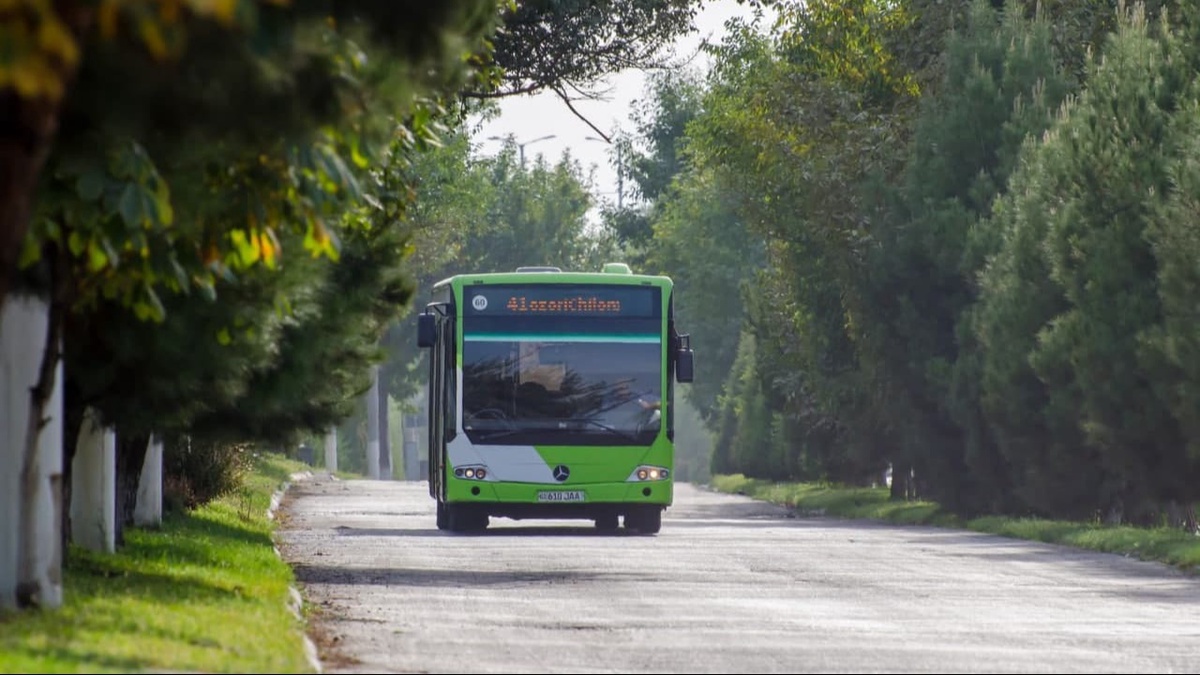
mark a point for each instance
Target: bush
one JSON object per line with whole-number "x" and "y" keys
{"x": 195, "y": 472}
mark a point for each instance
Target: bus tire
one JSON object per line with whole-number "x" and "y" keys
{"x": 607, "y": 522}
{"x": 442, "y": 523}
{"x": 463, "y": 518}
{"x": 644, "y": 520}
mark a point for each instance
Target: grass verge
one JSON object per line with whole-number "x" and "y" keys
{"x": 1172, "y": 546}
{"x": 206, "y": 592}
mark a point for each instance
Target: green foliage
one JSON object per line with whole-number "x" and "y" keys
{"x": 577, "y": 42}
{"x": 688, "y": 230}
{"x": 152, "y": 377}
{"x": 1171, "y": 350}
{"x": 979, "y": 287}
{"x": 1073, "y": 297}
{"x": 728, "y": 421}
{"x": 1001, "y": 80}
{"x": 693, "y": 441}
{"x": 846, "y": 41}
{"x": 700, "y": 243}
{"x": 257, "y": 129}
{"x": 244, "y": 168}
{"x": 1031, "y": 421}
{"x": 326, "y": 349}
{"x": 794, "y": 139}
{"x": 672, "y": 100}
{"x": 1116, "y": 170}
{"x": 752, "y": 438}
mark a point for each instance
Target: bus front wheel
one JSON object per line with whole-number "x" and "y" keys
{"x": 463, "y": 518}
{"x": 644, "y": 520}
{"x": 607, "y": 522}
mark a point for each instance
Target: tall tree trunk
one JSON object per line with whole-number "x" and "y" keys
{"x": 331, "y": 444}
{"x": 73, "y": 417}
{"x": 147, "y": 512}
{"x": 385, "y": 447}
{"x": 902, "y": 487}
{"x": 131, "y": 457}
{"x": 30, "y": 590}
{"x": 372, "y": 404}
{"x": 92, "y": 505}
{"x": 23, "y": 339}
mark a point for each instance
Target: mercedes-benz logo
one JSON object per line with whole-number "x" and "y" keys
{"x": 561, "y": 473}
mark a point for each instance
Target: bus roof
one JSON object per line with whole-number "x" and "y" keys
{"x": 615, "y": 273}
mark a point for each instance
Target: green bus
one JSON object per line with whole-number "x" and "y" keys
{"x": 551, "y": 396}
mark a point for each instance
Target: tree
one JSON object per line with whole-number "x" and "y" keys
{"x": 567, "y": 46}
{"x": 702, "y": 244}
{"x": 1116, "y": 159}
{"x": 265, "y": 99}
{"x": 797, "y": 125}
{"x": 653, "y": 157}
{"x": 65, "y": 47}
{"x": 1001, "y": 81}
{"x": 1073, "y": 307}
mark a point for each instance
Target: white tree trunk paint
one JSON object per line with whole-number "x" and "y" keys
{"x": 23, "y": 325}
{"x": 331, "y": 450}
{"x": 148, "y": 510}
{"x": 372, "y": 403}
{"x": 94, "y": 487}
{"x": 48, "y": 501}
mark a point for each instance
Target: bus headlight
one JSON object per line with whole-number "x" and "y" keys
{"x": 647, "y": 472}
{"x": 471, "y": 472}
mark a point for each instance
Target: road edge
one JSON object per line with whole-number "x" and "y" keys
{"x": 295, "y": 600}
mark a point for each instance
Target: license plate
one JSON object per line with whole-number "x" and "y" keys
{"x": 562, "y": 496}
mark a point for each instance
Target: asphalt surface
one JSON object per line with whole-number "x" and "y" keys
{"x": 730, "y": 585}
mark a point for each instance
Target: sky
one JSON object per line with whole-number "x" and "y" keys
{"x": 528, "y": 118}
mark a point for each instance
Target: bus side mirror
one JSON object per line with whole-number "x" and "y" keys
{"x": 683, "y": 359}
{"x": 683, "y": 366}
{"x": 426, "y": 330}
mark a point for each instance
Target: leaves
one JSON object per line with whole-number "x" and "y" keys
{"x": 37, "y": 51}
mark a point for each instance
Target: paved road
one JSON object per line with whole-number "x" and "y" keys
{"x": 730, "y": 585}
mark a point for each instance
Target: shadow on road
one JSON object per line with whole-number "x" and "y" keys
{"x": 406, "y": 576}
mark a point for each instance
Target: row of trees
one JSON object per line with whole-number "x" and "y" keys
{"x": 954, "y": 239}
{"x": 208, "y": 212}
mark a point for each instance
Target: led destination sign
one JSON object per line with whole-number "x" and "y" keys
{"x": 520, "y": 304}
{"x": 547, "y": 300}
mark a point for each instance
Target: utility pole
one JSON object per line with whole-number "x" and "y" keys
{"x": 620, "y": 168}
{"x": 521, "y": 146}
{"x": 620, "y": 178}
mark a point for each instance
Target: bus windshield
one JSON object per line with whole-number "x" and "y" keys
{"x": 602, "y": 389}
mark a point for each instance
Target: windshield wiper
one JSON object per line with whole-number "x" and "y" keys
{"x": 601, "y": 425}
{"x": 558, "y": 426}
{"x": 491, "y": 434}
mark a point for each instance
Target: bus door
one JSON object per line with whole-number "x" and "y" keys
{"x": 436, "y": 331}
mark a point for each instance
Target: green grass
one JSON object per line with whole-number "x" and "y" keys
{"x": 1171, "y": 546}
{"x": 204, "y": 593}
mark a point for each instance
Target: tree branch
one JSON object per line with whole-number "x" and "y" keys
{"x": 567, "y": 99}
